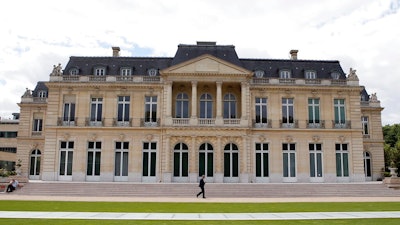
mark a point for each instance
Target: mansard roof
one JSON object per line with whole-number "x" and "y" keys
{"x": 140, "y": 65}
{"x": 40, "y": 86}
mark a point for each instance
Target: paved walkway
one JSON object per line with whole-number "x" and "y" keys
{"x": 198, "y": 216}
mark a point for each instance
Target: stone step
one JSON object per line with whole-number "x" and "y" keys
{"x": 213, "y": 190}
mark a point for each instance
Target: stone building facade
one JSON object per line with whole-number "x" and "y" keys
{"x": 203, "y": 111}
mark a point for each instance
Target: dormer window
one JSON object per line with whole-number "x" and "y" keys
{"x": 126, "y": 71}
{"x": 259, "y": 73}
{"x": 285, "y": 74}
{"x": 310, "y": 74}
{"x": 100, "y": 71}
{"x": 42, "y": 94}
{"x": 152, "y": 72}
{"x": 335, "y": 75}
{"x": 73, "y": 71}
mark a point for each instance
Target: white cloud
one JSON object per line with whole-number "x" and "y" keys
{"x": 361, "y": 34}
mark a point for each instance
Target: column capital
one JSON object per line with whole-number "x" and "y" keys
{"x": 194, "y": 82}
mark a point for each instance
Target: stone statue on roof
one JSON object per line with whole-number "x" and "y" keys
{"x": 352, "y": 75}
{"x": 56, "y": 70}
{"x": 373, "y": 97}
{"x": 27, "y": 94}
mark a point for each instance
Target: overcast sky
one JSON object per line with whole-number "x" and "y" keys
{"x": 361, "y": 34}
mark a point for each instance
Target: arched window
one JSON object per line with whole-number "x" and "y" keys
{"x": 35, "y": 159}
{"x": 229, "y": 106}
{"x": 231, "y": 160}
{"x": 206, "y": 106}
{"x": 181, "y": 160}
{"x": 206, "y": 162}
{"x": 182, "y": 106}
{"x": 367, "y": 164}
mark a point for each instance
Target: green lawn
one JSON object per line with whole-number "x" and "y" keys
{"x": 58, "y": 206}
{"x": 197, "y": 208}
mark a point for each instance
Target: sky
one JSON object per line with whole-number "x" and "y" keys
{"x": 361, "y": 34}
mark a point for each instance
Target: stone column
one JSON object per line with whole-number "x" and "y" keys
{"x": 219, "y": 162}
{"x": 169, "y": 99}
{"x": 218, "y": 119}
{"x": 167, "y": 173}
{"x": 192, "y": 162}
{"x": 193, "y": 118}
{"x": 244, "y": 100}
{"x": 168, "y": 104}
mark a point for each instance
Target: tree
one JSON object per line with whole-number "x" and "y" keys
{"x": 391, "y": 135}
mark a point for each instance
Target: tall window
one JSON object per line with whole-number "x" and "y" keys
{"x": 364, "y": 121}
{"x": 123, "y": 108}
{"x": 35, "y": 160}
{"x": 69, "y": 112}
{"x": 181, "y": 160}
{"x": 289, "y": 160}
{"x": 206, "y": 106}
{"x": 182, "y": 106}
{"x": 367, "y": 164}
{"x": 206, "y": 163}
{"x": 96, "y": 109}
{"x": 121, "y": 158}
{"x": 66, "y": 157}
{"x": 231, "y": 160}
{"x": 313, "y": 111}
{"x": 340, "y": 115}
{"x": 342, "y": 160}
{"x": 287, "y": 111}
{"x": 149, "y": 159}
{"x": 229, "y": 106}
{"x": 94, "y": 158}
{"x": 315, "y": 159}
{"x": 261, "y": 110}
{"x": 151, "y": 109}
{"x": 262, "y": 160}
{"x": 37, "y": 125}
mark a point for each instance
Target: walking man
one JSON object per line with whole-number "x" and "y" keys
{"x": 201, "y": 185}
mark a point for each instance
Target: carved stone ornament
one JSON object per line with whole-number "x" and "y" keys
{"x": 316, "y": 138}
{"x": 56, "y": 70}
{"x": 289, "y": 139}
{"x": 66, "y": 136}
{"x": 352, "y": 75}
{"x": 149, "y": 137}
{"x": 342, "y": 139}
{"x": 121, "y": 137}
{"x": 261, "y": 138}
{"x": 94, "y": 137}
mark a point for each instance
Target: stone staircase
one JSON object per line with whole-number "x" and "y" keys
{"x": 270, "y": 190}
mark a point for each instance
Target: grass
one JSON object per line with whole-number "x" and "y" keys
{"x": 168, "y": 207}
{"x": 163, "y": 207}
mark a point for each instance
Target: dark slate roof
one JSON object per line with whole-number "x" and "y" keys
{"x": 271, "y": 67}
{"x": 188, "y": 52}
{"x": 364, "y": 95}
{"x": 40, "y": 86}
{"x": 140, "y": 65}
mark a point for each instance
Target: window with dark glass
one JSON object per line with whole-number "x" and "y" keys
{"x": 182, "y": 106}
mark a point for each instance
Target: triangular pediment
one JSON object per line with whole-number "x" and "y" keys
{"x": 206, "y": 64}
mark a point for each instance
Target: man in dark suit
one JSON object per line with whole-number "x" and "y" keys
{"x": 201, "y": 185}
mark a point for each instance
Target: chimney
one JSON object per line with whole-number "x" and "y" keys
{"x": 115, "y": 51}
{"x": 293, "y": 54}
